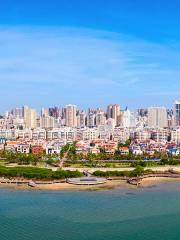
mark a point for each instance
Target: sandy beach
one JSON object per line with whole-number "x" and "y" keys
{"x": 110, "y": 184}
{"x": 67, "y": 186}
{"x": 146, "y": 182}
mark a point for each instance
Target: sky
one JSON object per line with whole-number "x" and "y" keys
{"x": 89, "y": 53}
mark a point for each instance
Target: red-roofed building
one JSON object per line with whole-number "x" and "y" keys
{"x": 124, "y": 150}
{"x": 37, "y": 150}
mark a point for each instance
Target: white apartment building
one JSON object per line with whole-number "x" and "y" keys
{"x": 64, "y": 133}
{"x": 157, "y": 117}
{"x": 128, "y": 119}
{"x": 8, "y": 133}
{"x": 71, "y": 119}
{"x": 160, "y": 135}
{"x": 47, "y": 122}
{"x": 39, "y": 134}
{"x": 175, "y": 135}
{"x": 142, "y": 135}
{"x": 100, "y": 119}
{"x": 90, "y": 134}
{"x": 25, "y": 134}
{"x": 113, "y": 111}
{"x": 91, "y": 117}
{"x": 121, "y": 134}
{"x": 81, "y": 120}
{"x": 105, "y": 132}
{"x": 30, "y": 117}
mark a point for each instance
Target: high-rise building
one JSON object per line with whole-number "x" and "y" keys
{"x": 47, "y": 122}
{"x": 44, "y": 112}
{"x": 157, "y": 117}
{"x": 71, "y": 118}
{"x": 128, "y": 119}
{"x": 82, "y": 119}
{"x": 177, "y": 113}
{"x": 113, "y": 111}
{"x": 55, "y": 112}
{"x": 30, "y": 116}
{"x": 17, "y": 112}
{"x": 100, "y": 118}
{"x": 142, "y": 112}
{"x": 91, "y": 119}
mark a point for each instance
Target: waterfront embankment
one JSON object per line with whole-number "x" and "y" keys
{"x": 110, "y": 184}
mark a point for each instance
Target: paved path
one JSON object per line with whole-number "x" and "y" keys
{"x": 91, "y": 170}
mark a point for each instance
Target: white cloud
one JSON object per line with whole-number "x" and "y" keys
{"x": 83, "y": 60}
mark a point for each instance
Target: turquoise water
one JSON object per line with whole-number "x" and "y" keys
{"x": 147, "y": 214}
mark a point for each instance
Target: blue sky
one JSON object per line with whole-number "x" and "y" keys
{"x": 89, "y": 53}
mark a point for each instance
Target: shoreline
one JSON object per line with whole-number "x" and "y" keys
{"x": 109, "y": 185}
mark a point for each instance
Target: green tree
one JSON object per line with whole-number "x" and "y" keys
{"x": 139, "y": 170}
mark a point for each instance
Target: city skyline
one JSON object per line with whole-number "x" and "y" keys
{"x": 71, "y": 115}
{"x": 89, "y": 107}
{"x": 116, "y": 52}
{"x": 155, "y": 124}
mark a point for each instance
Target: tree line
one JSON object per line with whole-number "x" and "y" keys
{"x": 47, "y": 174}
{"x": 138, "y": 171}
{"x": 37, "y": 173}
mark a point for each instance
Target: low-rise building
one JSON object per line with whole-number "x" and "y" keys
{"x": 37, "y": 150}
{"x": 23, "y": 148}
{"x": 123, "y": 150}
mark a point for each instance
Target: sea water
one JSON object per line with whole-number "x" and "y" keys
{"x": 147, "y": 214}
